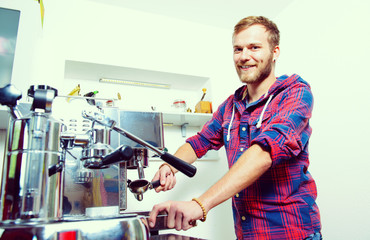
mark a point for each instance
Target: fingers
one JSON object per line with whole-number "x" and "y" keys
{"x": 179, "y": 215}
{"x": 156, "y": 176}
{"x": 170, "y": 181}
{"x": 171, "y": 218}
{"x": 155, "y": 211}
{"x": 188, "y": 223}
{"x": 179, "y": 220}
{"x": 166, "y": 177}
{"x": 175, "y": 217}
{"x": 163, "y": 177}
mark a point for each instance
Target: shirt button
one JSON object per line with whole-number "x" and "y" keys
{"x": 237, "y": 195}
{"x": 241, "y": 149}
{"x": 243, "y": 218}
{"x": 243, "y": 129}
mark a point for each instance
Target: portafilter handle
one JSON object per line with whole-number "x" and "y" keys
{"x": 184, "y": 167}
{"x": 140, "y": 186}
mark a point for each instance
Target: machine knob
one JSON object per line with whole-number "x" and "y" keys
{"x": 9, "y": 95}
{"x": 123, "y": 153}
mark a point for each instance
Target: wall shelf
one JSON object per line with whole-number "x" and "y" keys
{"x": 185, "y": 119}
{"x": 181, "y": 118}
{"x": 170, "y": 118}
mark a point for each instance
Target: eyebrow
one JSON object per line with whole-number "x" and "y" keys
{"x": 249, "y": 44}
{"x": 254, "y": 44}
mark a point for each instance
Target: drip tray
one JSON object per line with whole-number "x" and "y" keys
{"x": 127, "y": 226}
{"x": 161, "y": 224}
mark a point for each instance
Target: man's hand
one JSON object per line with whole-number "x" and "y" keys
{"x": 181, "y": 215}
{"x": 166, "y": 173}
{"x": 166, "y": 177}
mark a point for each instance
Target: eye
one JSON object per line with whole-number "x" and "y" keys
{"x": 255, "y": 47}
{"x": 237, "y": 50}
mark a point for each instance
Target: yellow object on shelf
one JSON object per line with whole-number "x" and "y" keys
{"x": 74, "y": 92}
{"x": 204, "y": 93}
{"x": 203, "y": 107}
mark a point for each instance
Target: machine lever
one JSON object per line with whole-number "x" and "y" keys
{"x": 123, "y": 153}
{"x": 186, "y": 168}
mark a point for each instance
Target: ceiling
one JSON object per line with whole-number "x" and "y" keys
{"x": 217, "y": 13}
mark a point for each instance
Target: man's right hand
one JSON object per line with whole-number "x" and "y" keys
{"x": 167, "y": 178}
{"x": 166, "y": 173}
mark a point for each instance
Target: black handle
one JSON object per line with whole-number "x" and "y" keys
{"x": 55, "y": 168}
{"x": 9, "y": 95}
{"x": 155, "y": 184}
{"x": 123, "y": 153}
{"x": 184, "y": 167}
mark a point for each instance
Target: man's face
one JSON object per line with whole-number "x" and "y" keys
{"x": 253, "y": 57}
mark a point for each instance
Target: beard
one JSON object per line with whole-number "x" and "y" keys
{"x": 259, "y": 74}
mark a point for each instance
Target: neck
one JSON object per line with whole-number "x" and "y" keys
{"x": 256, "y": 90}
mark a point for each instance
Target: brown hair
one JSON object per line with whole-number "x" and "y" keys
{"x": 271, "y": 28}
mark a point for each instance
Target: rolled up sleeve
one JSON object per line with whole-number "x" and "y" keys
{"x": 211, "y": 136}
{"x": 286, "y": 134}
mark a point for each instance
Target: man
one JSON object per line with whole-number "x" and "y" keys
{"x": 264, "y": 127}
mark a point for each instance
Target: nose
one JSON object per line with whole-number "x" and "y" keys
{"x": 245, "y": 56}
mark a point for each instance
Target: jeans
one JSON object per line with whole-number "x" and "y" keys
{"x": 315, "y": 236}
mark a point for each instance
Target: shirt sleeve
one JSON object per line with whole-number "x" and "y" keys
{"x": 287, "y": 133}
{"x": 211, "y": 135}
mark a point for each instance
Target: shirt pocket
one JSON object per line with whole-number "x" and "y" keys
{"x": 266, "y": 119}
{"x": 231, "y": 134}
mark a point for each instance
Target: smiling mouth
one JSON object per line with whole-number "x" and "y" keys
{"x": 246, "y": 67}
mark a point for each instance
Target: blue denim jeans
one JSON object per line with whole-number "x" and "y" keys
{"x": 315, "y": 236}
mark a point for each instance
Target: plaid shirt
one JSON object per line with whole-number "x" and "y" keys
{"x": 281, "y": 203}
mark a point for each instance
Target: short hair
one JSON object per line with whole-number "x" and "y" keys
{"x": 271, "y": 28}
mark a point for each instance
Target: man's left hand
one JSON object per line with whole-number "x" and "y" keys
{"x": 181, "y": 215}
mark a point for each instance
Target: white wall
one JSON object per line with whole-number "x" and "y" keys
{"x": 327, "y": 43}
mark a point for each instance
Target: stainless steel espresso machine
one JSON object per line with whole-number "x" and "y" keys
{"x": 67, "y": 178}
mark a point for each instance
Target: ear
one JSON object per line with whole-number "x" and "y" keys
{"x": 276, "y": 53}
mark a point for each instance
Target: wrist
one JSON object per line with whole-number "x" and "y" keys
{"x": 203, "y": 219}
{"x": 169, "y": 166}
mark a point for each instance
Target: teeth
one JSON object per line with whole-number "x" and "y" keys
{"x": 245, "y": 67}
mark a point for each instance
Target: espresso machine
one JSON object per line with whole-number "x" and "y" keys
{"x": 67, "y": 178}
